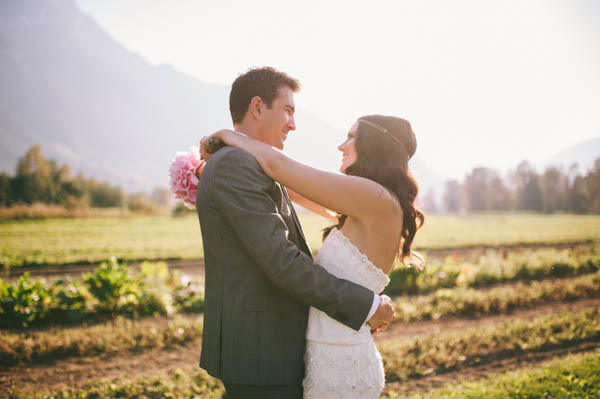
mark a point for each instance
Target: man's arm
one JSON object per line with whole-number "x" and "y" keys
{"x": 242, "y": 195}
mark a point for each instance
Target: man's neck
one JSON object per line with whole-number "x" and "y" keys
{"x": 248, "y": 130}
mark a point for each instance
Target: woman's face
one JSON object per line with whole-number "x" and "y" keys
{"x": 348, "y": 149}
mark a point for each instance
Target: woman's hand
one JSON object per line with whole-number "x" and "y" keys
{"x": 204, "y": 155}
{"x": 210, "y": 144}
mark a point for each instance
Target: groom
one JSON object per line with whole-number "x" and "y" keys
{"x": 260, "y": 276}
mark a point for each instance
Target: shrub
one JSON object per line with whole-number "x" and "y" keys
{"x": 110, "y": 290}
{"x": 114, "y": 288}
{"x": 26, "y": 302}
{"x": 494, "y": 267}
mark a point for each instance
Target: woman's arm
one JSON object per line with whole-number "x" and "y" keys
{"x": 312, "y": 206}
{"x": 349, "y": 195}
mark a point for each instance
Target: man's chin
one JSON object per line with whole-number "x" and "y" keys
{"x": 279, "y": 145}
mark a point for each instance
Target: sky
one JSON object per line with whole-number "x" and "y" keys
{"x": 483, "y": 83}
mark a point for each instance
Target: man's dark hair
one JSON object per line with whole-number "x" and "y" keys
{"x": 263, "y": 82}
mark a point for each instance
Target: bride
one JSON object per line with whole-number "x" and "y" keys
{"x": 374, "y": 199}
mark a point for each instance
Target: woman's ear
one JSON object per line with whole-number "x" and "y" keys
{"x": 256, "y": 107}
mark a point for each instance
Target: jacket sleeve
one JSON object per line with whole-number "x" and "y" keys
{"x": 241, "y": 192}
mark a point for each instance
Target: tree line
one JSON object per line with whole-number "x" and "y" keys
{"x": 524, "y": 189}
{"x": 38, "y": 179}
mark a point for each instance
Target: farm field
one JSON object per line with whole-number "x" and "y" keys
{"x": 493, "y": 315}
{"x": 93, "y": 240}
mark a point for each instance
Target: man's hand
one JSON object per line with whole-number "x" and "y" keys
{"x": 383, "y": 316}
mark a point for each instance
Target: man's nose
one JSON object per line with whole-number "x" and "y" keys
{"x": 292, "y": 123}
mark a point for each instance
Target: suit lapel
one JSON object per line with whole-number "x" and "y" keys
{"x": 296, "y": 222}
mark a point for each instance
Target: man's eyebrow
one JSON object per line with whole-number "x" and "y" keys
{"x": 290, "y": 107}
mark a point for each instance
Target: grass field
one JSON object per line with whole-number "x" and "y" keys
{"x": 92, "y": 240}
{"x": 79, "y": 241}
{"x": 502, "y": 229}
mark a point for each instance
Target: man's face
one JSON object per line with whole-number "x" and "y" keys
{"x": 279, "y": 119}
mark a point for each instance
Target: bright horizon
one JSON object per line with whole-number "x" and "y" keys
{"x": 483, "y": 83}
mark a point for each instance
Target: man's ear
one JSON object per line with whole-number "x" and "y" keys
{"x": 256, "y": 107}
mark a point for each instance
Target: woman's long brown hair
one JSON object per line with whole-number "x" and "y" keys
{"x": 382, "y": 156}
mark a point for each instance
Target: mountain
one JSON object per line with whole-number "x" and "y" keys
{"x": 107, "y": 112}
{"x": 91, "y": 103}
{"x": 584, "y": 154}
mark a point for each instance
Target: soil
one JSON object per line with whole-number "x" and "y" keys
{"x": 77, "y": 372}
{"x": 414, "y": 330}
{"x": 469, "y": 252}
{"x": 190, "y": 267}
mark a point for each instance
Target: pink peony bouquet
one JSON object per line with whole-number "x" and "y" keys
{"x": 185, "y": 170}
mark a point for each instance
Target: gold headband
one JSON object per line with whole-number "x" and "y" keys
{"x": 384, "y": 131}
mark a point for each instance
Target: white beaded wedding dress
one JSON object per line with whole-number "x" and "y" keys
{"x": 341, "y": 362}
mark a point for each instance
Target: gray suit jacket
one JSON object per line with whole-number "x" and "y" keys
{"x": 260, "y": 277}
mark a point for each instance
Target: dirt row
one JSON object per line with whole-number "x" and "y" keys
{"x": 195, "y": 267}
{"x": 414, "y": 330}
{"x": 77, "y": 372}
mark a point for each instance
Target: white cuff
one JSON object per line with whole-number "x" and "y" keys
{"x": 374, "y": 307}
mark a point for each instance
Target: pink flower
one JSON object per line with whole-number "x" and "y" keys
{"x": 184, "y": 181}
